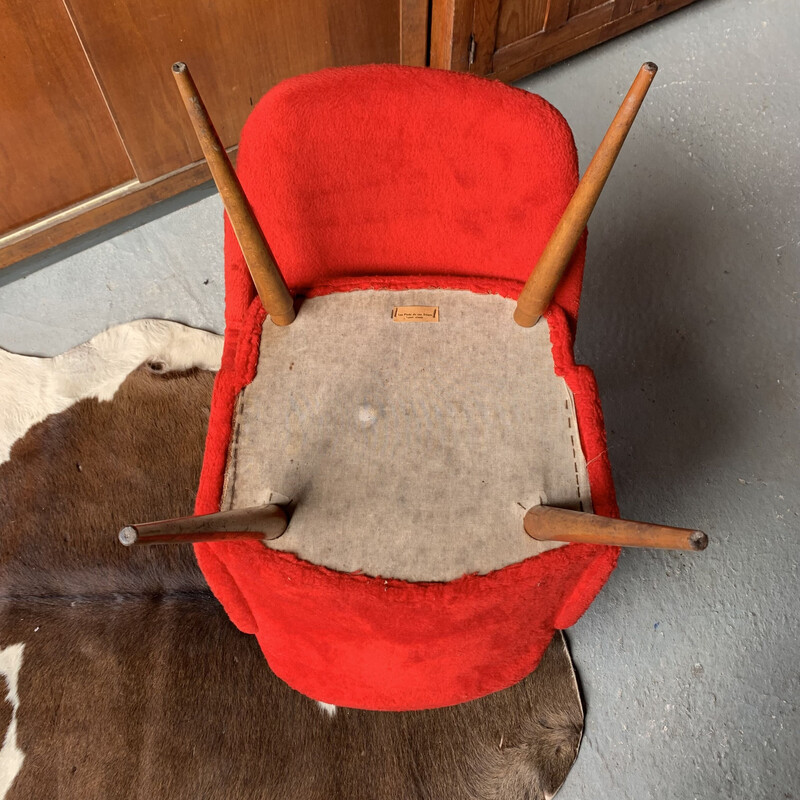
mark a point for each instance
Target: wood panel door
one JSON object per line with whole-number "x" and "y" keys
{"x": 236, "y": 50}
{"x": 507, "y": 39}
{"x": 58, "y": 143}
{"x": 92, "y": 125}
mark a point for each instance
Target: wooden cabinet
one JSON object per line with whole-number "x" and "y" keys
{"x": 58, "y": 145}
{"x": 236, "y": 51}
{"x": 507, "y": 39}
{"x": 92, "y": 126}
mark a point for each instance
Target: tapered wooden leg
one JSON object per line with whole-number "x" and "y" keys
{"x": 538, "y": 292}
{"x": 261, "y": 523}
{"x": 267, "y": 278}
{"x": 549, "y": 524}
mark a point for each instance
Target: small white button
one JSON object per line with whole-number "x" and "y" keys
{"x": 367, "y": 415}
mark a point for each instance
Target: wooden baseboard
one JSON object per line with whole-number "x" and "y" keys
{"x": 98, "y": 211}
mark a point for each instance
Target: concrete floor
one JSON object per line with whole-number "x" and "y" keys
{"x": 689, "y": 663}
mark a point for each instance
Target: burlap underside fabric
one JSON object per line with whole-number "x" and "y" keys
{"x": 408, "y": 449}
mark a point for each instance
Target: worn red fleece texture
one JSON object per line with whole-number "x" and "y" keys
{"x": 393, "y": 177}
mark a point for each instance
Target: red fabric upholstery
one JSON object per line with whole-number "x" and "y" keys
{"x": 392, "y": 177}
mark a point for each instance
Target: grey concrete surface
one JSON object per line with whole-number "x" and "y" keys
{"x": 689, "y": 663}
{"x": 690, "y": 320}
{"x": 164, "y": 262}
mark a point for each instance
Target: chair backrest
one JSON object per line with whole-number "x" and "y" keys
{"x": 386, "y": 170}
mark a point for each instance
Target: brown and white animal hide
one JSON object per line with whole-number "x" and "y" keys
{"x": 32, "y": 388}
{"x": 124, "y": 678}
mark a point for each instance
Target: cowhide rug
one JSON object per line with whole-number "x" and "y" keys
{"x": 124, "y": 678}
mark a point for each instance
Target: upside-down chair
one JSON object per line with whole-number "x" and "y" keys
{"x": 400, "y": 418}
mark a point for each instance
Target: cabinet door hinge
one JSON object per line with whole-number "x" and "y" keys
{"x": 473, "y": 46}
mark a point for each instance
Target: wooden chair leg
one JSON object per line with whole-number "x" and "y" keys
{"x": 267, "y": 278}
{"x": 538, "y": 292}
{"x": 548, "y": 524}
{"x": 261, "y": 523}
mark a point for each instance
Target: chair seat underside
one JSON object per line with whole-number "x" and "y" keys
{"x": 409, "y": 450}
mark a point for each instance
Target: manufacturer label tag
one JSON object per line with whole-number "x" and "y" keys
{"x": 415, "y": 313}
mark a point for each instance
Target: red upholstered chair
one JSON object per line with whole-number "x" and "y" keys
{"x": 434, "y": 455}
{"x": 390, "y": 178}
